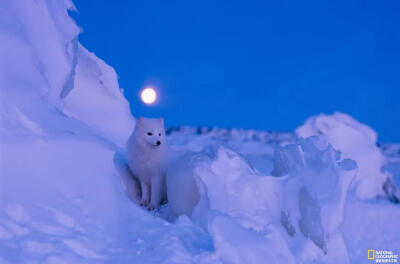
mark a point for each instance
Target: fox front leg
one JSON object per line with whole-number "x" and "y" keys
{"x": 156, "y": 189}
{"x": 145, "y": 194}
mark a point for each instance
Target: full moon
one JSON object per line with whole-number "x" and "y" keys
{"x": 148, "y": 95}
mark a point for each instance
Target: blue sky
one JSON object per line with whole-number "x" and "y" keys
{"x": 253, "y": 64}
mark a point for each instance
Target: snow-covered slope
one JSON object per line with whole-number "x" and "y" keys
{"x": 62, "y": 116}
{"x": 256, "y": 196}
{"x": 50, "y": 84}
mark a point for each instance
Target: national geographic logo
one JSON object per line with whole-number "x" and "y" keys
{"x": 371, "y": 254}
{"x": 382, "y": 256}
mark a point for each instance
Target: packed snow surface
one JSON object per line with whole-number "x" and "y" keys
{"x": 324, "y": 194}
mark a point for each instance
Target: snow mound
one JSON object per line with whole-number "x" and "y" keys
{"x": 356, "y": 141}
{"x": 251, "y": 216}
{"x": 50, "y": 84}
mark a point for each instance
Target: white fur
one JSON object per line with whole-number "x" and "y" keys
{"x": 183, "y": 192}
{"x": 147, "y": 160}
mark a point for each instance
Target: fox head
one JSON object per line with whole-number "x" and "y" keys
{"x": 150, "y": 131}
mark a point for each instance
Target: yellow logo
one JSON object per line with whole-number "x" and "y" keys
{"x": 371, "y": 254}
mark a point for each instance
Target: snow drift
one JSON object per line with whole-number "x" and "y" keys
{"x": 299, "y": 208}
{"x": 287, "y": 219}
{"x": 62, "y": 117}
{"x": 49, "y": 82}
{"x": 356, "y": 141}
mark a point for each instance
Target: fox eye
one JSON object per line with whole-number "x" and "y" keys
{"x": 159, "y": 134}
{"x": 149, "y": 133}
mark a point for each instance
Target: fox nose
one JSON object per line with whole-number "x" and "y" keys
{"x": 158, "y": 143}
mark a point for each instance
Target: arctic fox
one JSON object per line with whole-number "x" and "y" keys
{"x": 147, "y": 160}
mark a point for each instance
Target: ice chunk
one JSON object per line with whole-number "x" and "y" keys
{"x": 355, "y": 141}
{"x": 307, "y": 202}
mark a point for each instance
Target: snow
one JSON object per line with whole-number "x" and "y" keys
{"x": 392, "y": 166}
{"x": 60, "y": 80}
{"x": 235, "y": 196}
{"x": 356, "y": 141}
{"x": 307, "y": 201}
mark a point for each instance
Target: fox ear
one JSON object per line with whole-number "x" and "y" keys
{"x": 161, "y": 119}
{"x": 139, "y": 120}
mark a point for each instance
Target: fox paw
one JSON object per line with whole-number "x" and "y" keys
{"x": 144, "y": 202}
{"x": 151, "y": 207}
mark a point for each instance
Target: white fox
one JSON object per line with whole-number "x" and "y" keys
{"x": 147, "y": 160}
